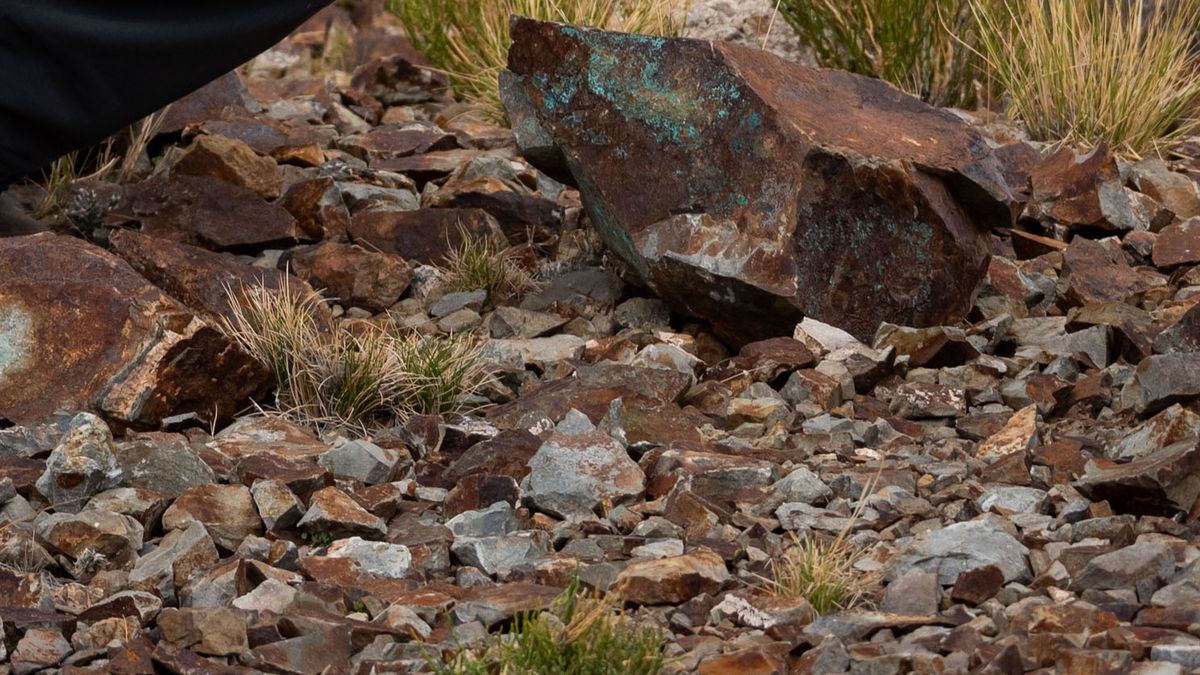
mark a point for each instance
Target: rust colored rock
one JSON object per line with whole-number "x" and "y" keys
{"x": 227, "y": 511}
{"x": 317, "y": 206}
{"x": 386, "y": 142}
{"x": 193, "y": 276}
{"x": 353, "y": 275}
{"x": 1097, "y": 273}
{"x": 81, "y": 330}
{"x": 210, "y": 213}
{"x": 207, "y": 103}
{"x": 423, "y": 236}
{"x": 1081, "y": 191}
{"x": 671, "y": 580}
{"x": 232, "y": 161}
{"x": 976, "y": 585}
{"x": 1163, "y": 483}
{"x": 751, "y": 191}
{"x": 1178, "y": 244}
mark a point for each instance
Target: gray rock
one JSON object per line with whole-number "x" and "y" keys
{"x": 180, "y": 555}
{"x": 915, "y": 593}
{"x": 952, "y": 550}
{"x": 499, "y": 555}
{"x": 1143, "y": 566}
{"x": 1162, "y": 379}
{"x": 571, "y": 476}
{"x": 802, "y": 485}
{"x": 393, "y": 561}
{"x": 496, "y": 520}
{"x": 361, "y": 460}
{"x": 1009, "y": 499}
{"x": 277, "y": 505}
{"x": 1183, "y": 589}
{"x": 83, "y": 464}
{"x": 1187, "y": 656}
{"x": 452, "y": 302}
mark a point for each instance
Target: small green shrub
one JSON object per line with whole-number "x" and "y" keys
{"x": 577, "y": 636}
{"x": 57, "y": 181}
{"x": 921, "y": 46}
{"x": 1085, "y": 72}
{"x": 469, "y": 40}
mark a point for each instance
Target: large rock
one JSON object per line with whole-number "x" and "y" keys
{"x": 752, "y": 191}
{"x": 196, "y": 277}
{"x": 79, "y": 329}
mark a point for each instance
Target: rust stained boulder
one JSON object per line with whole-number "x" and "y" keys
{"x": 81, "y": 330}
{"x": 752, "y": 191}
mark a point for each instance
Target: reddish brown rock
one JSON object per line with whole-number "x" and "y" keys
{"x": 352, "y": 275}
{"x": 194, "y": 276}
{"x": 974, "y": 586}
{"x": 590, "y": 391}
{"x": 1097, "y": 273}
{"x": 333, "y": 512}
{"x": 1178, "y": 244}
{"x": 227, "y": 511}
{"x": 1163, "y": 483}
{"x": 207, "y": 212}
{"x": 1081, "y": 191}
{"x": 317, "y": 206}
{"x": 752, "y": 191}
{"x": 81, "y": 330}
{"x": 423, "y": 236}
{"x": 207, "y": 103}
{"x": 232, "y": 161}
{"x": 671, "y": 580}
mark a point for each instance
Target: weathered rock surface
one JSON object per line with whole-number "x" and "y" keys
{"x": 804, "y": 177}
{"x": 81, "y": 330}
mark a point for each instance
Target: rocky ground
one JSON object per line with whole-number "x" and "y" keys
{"x": 1029, "y": 470}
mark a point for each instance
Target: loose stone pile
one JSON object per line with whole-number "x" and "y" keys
{"x": 1030, "y": 473}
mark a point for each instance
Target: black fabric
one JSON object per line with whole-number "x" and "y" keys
{"x": 75, "y": 71}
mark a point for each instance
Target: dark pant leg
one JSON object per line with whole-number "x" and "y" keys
{"x": 75, "y": 71}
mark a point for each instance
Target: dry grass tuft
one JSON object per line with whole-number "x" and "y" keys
{"x": 1084, "y": 72}
{"x": 917, "y": 45}
{"x": 822, "y": 571}
{"x": 348, "y": 379}
{"x": 469, "y": 39}
{"x": 487, "y": 264}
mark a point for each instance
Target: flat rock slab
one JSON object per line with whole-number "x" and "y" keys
{"x": 210, "y": 213}
{"x": 751, "y": 191}
{"x": 81, "y": 330}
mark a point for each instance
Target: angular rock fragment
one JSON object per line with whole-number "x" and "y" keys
{"x": 80, "y": 330}
{"x": 209, "y": 213}
{"x": 232, "y": 161}
{"x": 772, "y": 183}
{"x": 1164, "y": 482}
{"x": 353, "y": 276}
{"x": 961, "y": 547}
{"x": 571, "y": 476}
{"x": 81, "y": 465}
{"x": 671, "y": 580}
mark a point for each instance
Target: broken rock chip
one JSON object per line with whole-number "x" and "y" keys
{"x": 81, "y": 330}
{"x": 571, "y": 476}
{"x": 82, "y": 465}
{"x": 751, "y": 191}
{"x": 961, "y": 547}
{"x": 671, "y": 580}
{"x": 1162, "y": 483}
